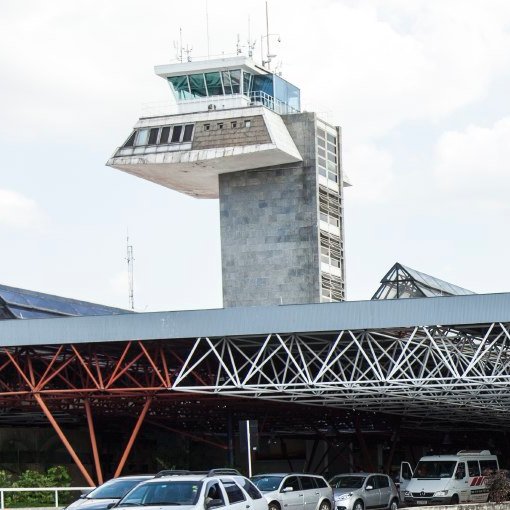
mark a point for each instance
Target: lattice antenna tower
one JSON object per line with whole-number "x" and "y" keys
{"x": 130, "y": 264}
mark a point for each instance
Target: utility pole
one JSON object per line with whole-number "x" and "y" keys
{"x": 130, "y": 260}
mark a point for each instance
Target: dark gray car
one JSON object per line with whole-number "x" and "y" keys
{"x": 360, "y": 491}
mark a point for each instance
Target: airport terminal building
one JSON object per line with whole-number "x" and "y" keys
{"x": 333, "y": 385}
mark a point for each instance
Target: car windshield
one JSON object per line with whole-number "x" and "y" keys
{"x": 347, "y": 482}
{"x": 267, "y": 483}
{"x": 169, "y": 492}
{"x": 114, "y": 489}
{"x": 435, "y": 469}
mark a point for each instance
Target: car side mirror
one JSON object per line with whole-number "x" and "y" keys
{"x": 214, "y": 503}
{"x": 369, "y": 487}
{"x": 288, "y": 489}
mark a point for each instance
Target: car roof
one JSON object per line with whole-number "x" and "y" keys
{"x": 360, "y": 473}
{"x": 193, "y": 478}
{"x": 288, "y": 474}
{"x": 131, "y": 477}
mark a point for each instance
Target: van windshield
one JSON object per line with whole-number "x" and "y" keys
{"x": 435, "y": 469}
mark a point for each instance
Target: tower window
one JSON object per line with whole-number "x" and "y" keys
{"x": 233, "y": 124}
{"x": 165, "y": 133}
{"x": 142, "y": 136}
{"x": 247, "y": 123}
{"x": 153, "y": 136}
{"x": 176, "y": 134}
{"x": 188, "y": 133}
{"x": 207, "y": 127}
{"x": 220, "y": 125}
{"x": 131, "y": 140}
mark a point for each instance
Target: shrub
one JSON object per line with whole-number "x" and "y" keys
{"x": 57, "y": 476}
{"x": 498, "y": 484}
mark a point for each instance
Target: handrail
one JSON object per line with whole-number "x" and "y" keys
{"x": 56, "y": 490}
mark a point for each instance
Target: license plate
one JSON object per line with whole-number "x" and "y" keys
{"x": 421, "y": 502}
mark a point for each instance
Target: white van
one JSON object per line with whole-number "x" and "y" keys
{"x": 451, "y": 479}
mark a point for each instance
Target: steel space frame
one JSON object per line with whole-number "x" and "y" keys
{"x": 448, "y": 374}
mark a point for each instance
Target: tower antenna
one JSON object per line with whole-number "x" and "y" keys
{"x": 178, "y": 46}
{"x": 207, "y": 26}
{"x": 130, "y": 261}
{"x": 269, "y": 56}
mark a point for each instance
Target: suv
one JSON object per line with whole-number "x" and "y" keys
{"x": 357, "y": 491}
{"x": 218, "y": 488}
{"x": 108, "y": 493}
{"x": 295, "y": 491}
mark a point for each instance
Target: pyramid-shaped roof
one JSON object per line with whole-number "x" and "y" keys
{"x": 402, "y": 282}
{"x": 26, "y": 304}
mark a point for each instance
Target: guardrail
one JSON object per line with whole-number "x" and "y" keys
{"x": 56, "y": 490}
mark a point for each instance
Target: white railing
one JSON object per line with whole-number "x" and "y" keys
{"x": 55, "y": 490}
{"x": 222, "y": 102}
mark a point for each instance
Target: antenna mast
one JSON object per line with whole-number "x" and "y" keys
{"x": 130, "y": 260}
{"x": 269, "y": 56}
{"x": 267, "y": 39}
{"x": 207, "y": 27}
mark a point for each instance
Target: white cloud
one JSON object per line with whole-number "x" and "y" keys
{"x": 374, "y": 65}
{"x": 18, "y": 211}
{"x": 370, "y": 171}
{"x": 474, "y": 164}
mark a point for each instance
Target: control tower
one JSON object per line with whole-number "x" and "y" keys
{"x": 235, "y": 131}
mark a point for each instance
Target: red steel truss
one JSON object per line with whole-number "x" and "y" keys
{"x": 93, "y": 378}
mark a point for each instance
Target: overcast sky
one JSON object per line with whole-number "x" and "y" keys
{"x": 420, "y": 88}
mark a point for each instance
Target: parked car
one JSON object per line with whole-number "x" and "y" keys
{"x": 294, "y": 491}
{"x": 224, "y": 488}
{"x": 359, "y": 491}
{"x": 109, "y": 492}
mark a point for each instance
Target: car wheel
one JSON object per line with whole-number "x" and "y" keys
{"x": 325, "y": 505}
{"x": 273, "y": 506}
{"x": 358, "y": 505}
{"x": 454, "y": 500}
{"x": 393, "y": 504}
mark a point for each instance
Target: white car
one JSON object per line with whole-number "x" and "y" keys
{"x": 196, "y": 491}
{"x": 292, "y": 491}
{"x": 107, "y": 494}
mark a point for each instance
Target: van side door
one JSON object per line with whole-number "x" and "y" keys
{"x": 406, "y": 473}
{"x": 462, "y": 482}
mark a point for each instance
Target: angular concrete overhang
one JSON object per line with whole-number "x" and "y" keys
{"x": 195, "y": 171}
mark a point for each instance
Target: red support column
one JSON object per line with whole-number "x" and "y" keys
{"x": 93, "y": 441}
{"x": 134, "y": 434}
{"x": 64, "y": 440}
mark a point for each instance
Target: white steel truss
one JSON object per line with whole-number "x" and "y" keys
{"x": 443, "y": 373}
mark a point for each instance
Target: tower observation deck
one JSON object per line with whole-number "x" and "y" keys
{"x": 235, "y": 131}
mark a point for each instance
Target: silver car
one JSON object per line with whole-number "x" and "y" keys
{"x": 360, "y": 491}
{"x": 292, "y": 491}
